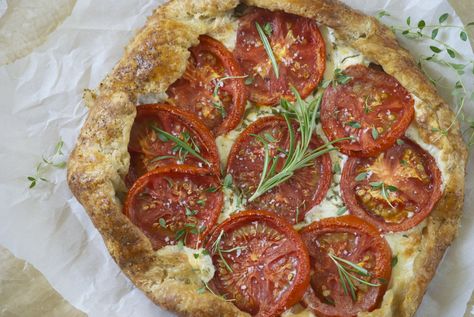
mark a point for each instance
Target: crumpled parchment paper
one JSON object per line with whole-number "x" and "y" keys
{"x": 41, "y": 104}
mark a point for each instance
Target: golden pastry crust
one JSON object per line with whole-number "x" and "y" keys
{"x": 154, "y": 59}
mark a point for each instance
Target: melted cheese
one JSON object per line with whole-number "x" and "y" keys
{"x": 404, "y": 245}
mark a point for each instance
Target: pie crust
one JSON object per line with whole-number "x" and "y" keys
{"x": 154, "y": 59}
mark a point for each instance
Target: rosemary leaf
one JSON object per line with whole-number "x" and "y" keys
{"x": 268, "y": 49}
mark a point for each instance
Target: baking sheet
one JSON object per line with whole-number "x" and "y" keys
{"x": 41, "y": 104}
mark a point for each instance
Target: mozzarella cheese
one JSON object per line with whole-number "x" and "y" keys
{"x": 339, "y": 56}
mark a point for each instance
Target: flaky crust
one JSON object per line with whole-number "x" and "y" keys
{"x": 154, "y": 59}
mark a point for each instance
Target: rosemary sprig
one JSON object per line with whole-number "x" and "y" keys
{"x": 52, "y": 161}
{"x": 268, "y": 49}
{"x": 298, "y": 154}
{"x": 183, "y": 146}
{"x": 347, "y": 279}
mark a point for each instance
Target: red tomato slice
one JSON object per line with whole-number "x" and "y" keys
{"x": 296, "y": 196}
{"x": 373, "y": 107}
{"x": 173, "y": 203}
{"x": 395, "y": 190}
{"x": 297, "y": 45}
{"x": 210, "y": 63}
{"x": 261, "y": 263}
{"x": 351, "y": 239}
{"x": 149, "y": 150}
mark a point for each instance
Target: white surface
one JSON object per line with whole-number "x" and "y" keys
{"x": 41, "y": 102}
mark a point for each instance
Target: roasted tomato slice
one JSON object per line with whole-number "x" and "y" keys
{"x": 337, "y": 288}
{"x": 372, "y": 107}
{"x": 395, "y": 190}
{"x": 149, "y": 148}
{"x": 298, "y": 48}
{"x": 174, "y": 203}
{"x": 261, "y": 263}
{"x": 291, "y": 199}
{"x": 211, "y": 64}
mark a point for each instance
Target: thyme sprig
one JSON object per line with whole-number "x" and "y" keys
{"x": 52, "y": 161}
{"x": 385, "y": 190}
{"x": 216, "y": 248}
{"x": 184, "y": 145}
{"x": 347, "y": 279}
{"x": 457, "y": 63}
{"x": 217, "y": 103}
{"x": 298, "y": 155}
{"x": 268, "y": 48}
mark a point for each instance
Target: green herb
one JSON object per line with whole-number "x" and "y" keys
{"x": 385, "y": 190}
{"x": 354, "y": 124}
{"x": 162, "y": 222}
{"x": 361, "y": 176}
{"x": 375, "y": 133}
{"x": 394, "y": 260}
{"x": 400, "y": 142}
{"x": 433, "y": 35}
{"x": 249, "y": 80}
{"x": 342, "y": 210}
{"x": 228, "y": 181}
{"x": 211, "y": 189}
{"x": 268, "y": 49}
{"x": 217, "y": 103}
{"x": 52, "y": 161}
{"x": 337, "y": 168}
{"x": 347, "y": 279}
{"x": 201, "y": 202}
{"x": 190, "y": 212}
{"x": 299, "y": 155}
{"x": 340, "y": 78}
{"x": 217, "y": 249}
{"x": 366, "y": 105}
{"x": 183, "y": 146}
{"x": 267, "y": 28}
{"x": 163, "y": 157}
{"x": 170, "y": 182}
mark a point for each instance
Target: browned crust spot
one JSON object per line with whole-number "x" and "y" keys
{"x": 153, "y": 60}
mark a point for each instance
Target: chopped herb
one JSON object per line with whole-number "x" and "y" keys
{"x": 342, "y": 210}
{"x": 249, "y": 80}
{"x": 162, "y": 222}
{"x": 340, "y": 78}
{"x": 361, "y": 176}
{"x": 337, "y": 168}
{"x": 211, "y": 189}
{"x": 375, "y": 133}
{"x": 190, "y": 212}
{"x": 201, "y": 202}
{"x": 228, "y": 181}
{"x": 394, "y": 260}
{"x": 354, "y": 124}
{"x": 196, "y": 255}
{"x": 400, "y": 142}
{"x": 267, "y": 28}
{"x": 268, "y": 49}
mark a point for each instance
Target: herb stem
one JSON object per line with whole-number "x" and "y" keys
{"x": 268, "y": 49}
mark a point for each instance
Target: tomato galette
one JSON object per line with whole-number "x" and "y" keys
{"x": 271, "y": 158}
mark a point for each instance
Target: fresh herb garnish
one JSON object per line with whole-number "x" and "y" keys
{"x": 268, "y": 49}
{"x": 340, "y": 78}
{"x": 385, "y": 190}
{"x": 217, "y": 103}
{"x": 162, "y": 222}
{"x": 342, "y": 210}
{"x": 184, "y": 145}
{"x": 52, "y": 161}
{"x": 361, "y": 176}
{"x": 217, "y": 249}
{"x": 228, "y": 181}
{"x": 394, "y": 260}
{"x": 298, "y": 155}
{"x": 354, "y": 124}
{"x": 375, "y": 133}
{"x": 347, "y": 279}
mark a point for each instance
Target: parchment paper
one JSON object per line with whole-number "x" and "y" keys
{"x": 41, "y": 103}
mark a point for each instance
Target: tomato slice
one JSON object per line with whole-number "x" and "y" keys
{"x": 150, "y": 149}
{"x": 299, "y": 51}
{"x": 349, "y": 239}
{"x": 395, "y": 190}
{"x": 296, "y": 196}
{"x": 373, "y": 107}
{"x": 211, "y": 64}
{"x": 173, "y": 203}
{"x": 261, "y": 263}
